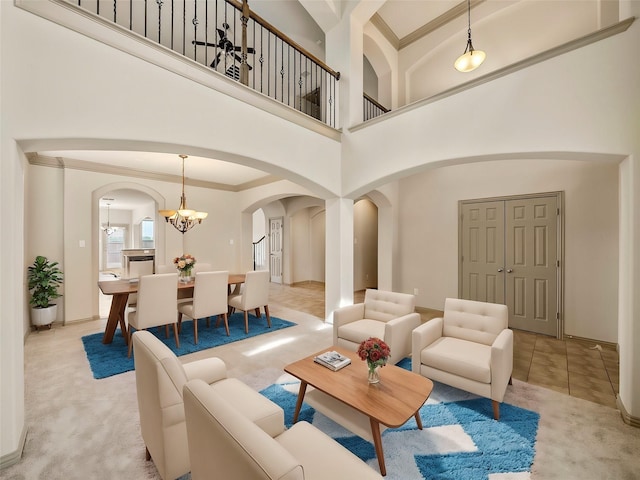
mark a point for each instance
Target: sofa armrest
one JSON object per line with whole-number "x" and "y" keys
{"x": 344, "y": 315}
{"x": 210, "y": 370}
{"x": 422, "y": 337}
{"x": 397, "y": 334}
{"x": 501, "y": 364}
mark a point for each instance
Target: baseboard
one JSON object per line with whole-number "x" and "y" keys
{"x": 591, "y": 340}
{"x": 626, "y": 417}
{"x": 15, "y": 456}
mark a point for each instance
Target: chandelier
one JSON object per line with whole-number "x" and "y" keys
{"x": 108, "y": 229}
{"x": 183, "y": 219}
{"x": 470, "y": 59}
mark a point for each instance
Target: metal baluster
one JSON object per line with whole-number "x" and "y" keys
{"x": 261, "y": 59}
{"x": 282, "y": 72}
{"x": 145, "y": 18}
{"x": 159, "y": 2}
{"x": 115, "y": 12}
{"x": 195, "y": 29}
{"x": 184, "y": 26}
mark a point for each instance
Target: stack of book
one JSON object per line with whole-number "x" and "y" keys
{"x": 332, "y": 360}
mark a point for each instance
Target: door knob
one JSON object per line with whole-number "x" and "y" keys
{"x": 509, "y": 270}
{"x": 501, "y": 270}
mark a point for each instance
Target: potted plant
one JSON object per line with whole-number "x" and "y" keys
{"x": 43, "y": 277}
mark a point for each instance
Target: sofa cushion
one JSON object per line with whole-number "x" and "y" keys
{"x": 360, "y": 330}
{"x": 305, "y": 442}
{"x": 459, "y": 357}
{"x": 254, "y": 406}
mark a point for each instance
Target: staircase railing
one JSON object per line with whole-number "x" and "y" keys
{"x": 371, "y": 108}
{"x": 232, "y": 40}
{"x": 260, "y": 254}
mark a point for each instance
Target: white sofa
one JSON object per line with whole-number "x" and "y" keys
{"x": 160, "y": 377}
{"x": 223, "y": 443}
{"x": 389, "y": 316}
{"x": 470, "y": 348}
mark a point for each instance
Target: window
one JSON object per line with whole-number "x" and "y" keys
{"x": 146, "y": 233}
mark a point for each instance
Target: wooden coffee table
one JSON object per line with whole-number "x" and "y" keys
{"x": 349, "y": 399}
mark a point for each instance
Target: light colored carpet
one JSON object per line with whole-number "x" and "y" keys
{"x": 80, "y": 428}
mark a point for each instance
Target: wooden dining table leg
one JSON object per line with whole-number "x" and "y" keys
{"x": 301, "y": 392}
{"x": 116, "y": 316}
{"x": 377, "y": 442}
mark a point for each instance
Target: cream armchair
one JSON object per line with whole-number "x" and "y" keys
{"x": 470, "y": 348}
{"x": 389, "y": 316}
{"x": 160, "y": 377}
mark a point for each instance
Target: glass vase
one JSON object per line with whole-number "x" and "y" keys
{"x": 374, "y": 374}
{"x": 185, "y": 276}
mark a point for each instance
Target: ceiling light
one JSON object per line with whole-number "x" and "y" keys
{"x": 108, "y": 229}
{"x": 184, "y": 218}
{"x": 470, "y": 59}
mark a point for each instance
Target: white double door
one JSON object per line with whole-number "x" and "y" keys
{"x": 509, "y": 254}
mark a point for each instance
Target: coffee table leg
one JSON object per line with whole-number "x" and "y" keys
{"x": 418, "y": 419}
{"x": 301, "y": 392}
{"x": 377, "y": 442}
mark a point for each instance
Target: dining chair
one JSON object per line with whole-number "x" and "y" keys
{"x": 209, "y": 299}
{"x": 160, "y": 269}
{"x": 157, "y": 304}
{"x": 202, "y": 267}
{"x": 254, "y": 296}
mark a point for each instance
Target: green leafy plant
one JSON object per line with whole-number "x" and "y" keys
{"x": 44, "y": 277}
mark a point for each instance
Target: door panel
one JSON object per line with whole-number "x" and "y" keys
{"x": 275, "y": 249}
{"x": 531, "y": 264}
{"x": 483, "y": 251}
{"x": 509, "y": 254}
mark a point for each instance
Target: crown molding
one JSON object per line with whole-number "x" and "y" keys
{"x": 385, "y": 30}
{"x": 438, "y": 22}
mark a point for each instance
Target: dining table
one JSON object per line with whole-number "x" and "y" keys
{"x": 121, "y": 289}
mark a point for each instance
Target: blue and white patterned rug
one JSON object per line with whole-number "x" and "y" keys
{"x": 460, "y": 439}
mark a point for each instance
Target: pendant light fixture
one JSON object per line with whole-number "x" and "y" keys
{"x": 183, "y": 219}
{"x": 470, "y": 59}
{"x": 108, "y": 229}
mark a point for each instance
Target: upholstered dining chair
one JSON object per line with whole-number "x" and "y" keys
{"x": 209, "y": 299}
{"x": 254, "y": 295}
{"x": 470, "y": 348}
{"x": 202, "y": 267}
{"x": 157, "y": 304}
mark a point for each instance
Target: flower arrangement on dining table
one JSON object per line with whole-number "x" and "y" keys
{"x": 185, "y": 264}
{"x": 376, "y": 353}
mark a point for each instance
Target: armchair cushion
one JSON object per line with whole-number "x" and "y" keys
{"x": 386, "y": 315}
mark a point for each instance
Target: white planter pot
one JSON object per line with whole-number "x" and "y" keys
{"x": 44, "y": 316}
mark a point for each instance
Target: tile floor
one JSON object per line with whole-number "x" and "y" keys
{"x": 579, "y": 368}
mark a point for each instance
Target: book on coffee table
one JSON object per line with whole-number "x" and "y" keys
{"x": 332, "y": 360}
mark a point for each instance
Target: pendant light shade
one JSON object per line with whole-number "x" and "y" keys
{"x": 471, "y": 58}
{"x": 183, "y": 219}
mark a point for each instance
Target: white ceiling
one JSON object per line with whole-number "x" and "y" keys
{"x": 406, "y": 16}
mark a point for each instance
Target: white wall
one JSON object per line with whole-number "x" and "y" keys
{"x": 429, "y": 232}
{"x": 317, "y": 244}
{"x": 300, "y": 246}
{"x": 365, "y": 245}
{"x": 207, "y": 242}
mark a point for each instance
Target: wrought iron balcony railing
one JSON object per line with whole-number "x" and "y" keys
{"x": 229, "y": 38}
{"x": 371, "y": 108}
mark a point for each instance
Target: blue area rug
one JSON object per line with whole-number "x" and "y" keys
{"x": 460, "y": 439}
{"x": 111, "y": 359}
